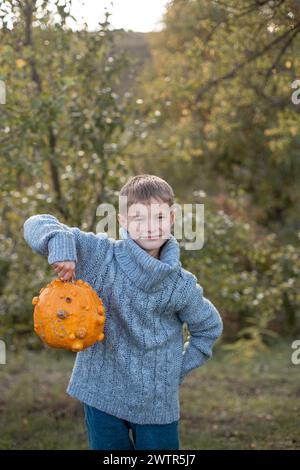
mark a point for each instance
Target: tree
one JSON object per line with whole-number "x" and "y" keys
{"x": 221, "y": 80}
{"x": 62, "y": 135}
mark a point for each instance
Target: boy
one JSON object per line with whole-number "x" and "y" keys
{"x": 130, "y": 381}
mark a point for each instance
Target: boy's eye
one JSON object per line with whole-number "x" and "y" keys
{"x": 139, "y": 218}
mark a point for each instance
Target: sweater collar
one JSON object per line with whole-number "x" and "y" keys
{"x": 146, "y": 271}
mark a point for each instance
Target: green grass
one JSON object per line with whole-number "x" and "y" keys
{"x": 253, "y": 405}
{"x": 224, "y": 405}
{"x": 35, "y": 411}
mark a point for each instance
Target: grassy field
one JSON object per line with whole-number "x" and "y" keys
{"x": 224, "y": 405}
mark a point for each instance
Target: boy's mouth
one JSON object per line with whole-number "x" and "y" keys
{"x": 150, "y": 238}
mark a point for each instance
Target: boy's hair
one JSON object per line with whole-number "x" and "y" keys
{"x": 141, "y": 188}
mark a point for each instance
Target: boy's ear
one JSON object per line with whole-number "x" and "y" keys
{"x": 172, "y": 214}
{"x": 122, "y": 220}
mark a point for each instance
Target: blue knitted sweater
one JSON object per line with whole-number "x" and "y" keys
{"x": 135, "y": 372}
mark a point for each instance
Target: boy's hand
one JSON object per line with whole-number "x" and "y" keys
{"x": 65, "y": 270}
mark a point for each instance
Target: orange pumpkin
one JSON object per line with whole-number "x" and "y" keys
{"x": 69, "y": 315}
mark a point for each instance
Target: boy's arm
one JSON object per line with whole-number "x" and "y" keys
{"x": 47, "y": 236}
{"x": 205, "y": 326}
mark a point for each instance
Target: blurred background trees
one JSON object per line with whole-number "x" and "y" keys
{"x": 205, "y": 103}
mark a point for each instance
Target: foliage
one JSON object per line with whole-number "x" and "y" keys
{"x": 253, "y": 280}
{"x": 211, "y": 112}
{"x": 221, "y": 78}
{"x": 61, "y": 135}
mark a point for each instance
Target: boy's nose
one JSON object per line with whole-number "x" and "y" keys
{"x": 152, "y": 228}
{"x": 153, "y": 233}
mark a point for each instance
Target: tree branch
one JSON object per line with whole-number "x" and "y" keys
{"x": 233, "y": 72}
{"x": 279, "y": 56}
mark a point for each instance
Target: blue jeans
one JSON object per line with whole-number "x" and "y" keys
{"x": 107, "y": 432}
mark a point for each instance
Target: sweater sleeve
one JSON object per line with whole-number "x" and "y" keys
{"x": 205, "y": 326}
{"x": 47, "y": 236}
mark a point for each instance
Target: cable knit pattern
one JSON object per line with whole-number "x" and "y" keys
{"x": 135, "y": 372}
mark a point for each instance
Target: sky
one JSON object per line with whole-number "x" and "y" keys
{"x": 136, "y": 15}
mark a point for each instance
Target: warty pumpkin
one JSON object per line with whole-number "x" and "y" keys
{"x": 69, "y": 315}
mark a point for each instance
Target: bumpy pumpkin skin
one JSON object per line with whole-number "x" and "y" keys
{"x": 69, "y": 315}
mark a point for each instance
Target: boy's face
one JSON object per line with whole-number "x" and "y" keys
{"x": 149, "y": 224}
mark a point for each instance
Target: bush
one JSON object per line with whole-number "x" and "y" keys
{"x": 252, "y": 279}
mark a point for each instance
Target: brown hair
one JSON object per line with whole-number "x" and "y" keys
{"x": 141, "y": 188}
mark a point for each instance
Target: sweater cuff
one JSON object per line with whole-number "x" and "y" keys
{"x": 61, "y": 247}
{"x": 192, "y": 358}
